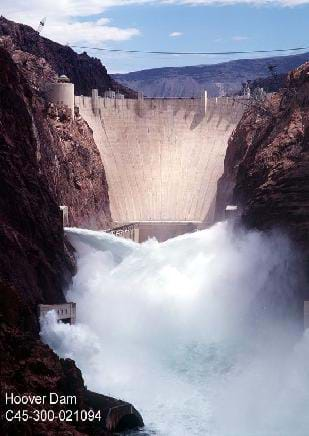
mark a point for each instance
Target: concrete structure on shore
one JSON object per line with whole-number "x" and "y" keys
{"x": 141, "y": 231}
{"x": 65, "y": 312}
{"x": 162, "y": 157}
{"x": 65, "y": 215}
{"x": 62, "y": 93}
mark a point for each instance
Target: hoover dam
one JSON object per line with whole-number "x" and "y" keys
{"x": 162, "y": 157}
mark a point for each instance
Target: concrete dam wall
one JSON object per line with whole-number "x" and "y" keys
{"x": 162, "y": 157}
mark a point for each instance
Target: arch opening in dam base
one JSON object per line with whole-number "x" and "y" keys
{"x": 162, "y": 157}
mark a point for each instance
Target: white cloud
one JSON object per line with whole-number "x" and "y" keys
{"x": 175, "y": 34}
{"x": 82, "y": 8}
{"x": 232, "y": 2}
{"x": 68, "y": 21}
{"x": 88, "y": 31}
{"x": 239, "y": 38}
{"x": 72, "y": 20}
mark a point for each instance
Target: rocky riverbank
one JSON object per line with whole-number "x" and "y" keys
{"x": 266, "y": 169}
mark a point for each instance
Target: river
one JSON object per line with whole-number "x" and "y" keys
{"x": 197, "y": 332}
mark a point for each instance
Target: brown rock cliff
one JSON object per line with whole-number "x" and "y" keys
{"x": 267, "y": 162}
{"x": 66, "y": 151}
{"x": 32, "y": 256}
{"x": 41, "y": 149}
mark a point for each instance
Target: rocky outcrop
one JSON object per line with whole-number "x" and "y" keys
{"x": 72, "y": 162}
{"x": 84, "y": 71}
{"x": 46, "y": 159}
{"x": 66, "y": 151}
{"x": 267, "y": 162}
{"x": 270, "y": 84}
{"x": 33, "y": 257}
{"x": 30, "y": 367}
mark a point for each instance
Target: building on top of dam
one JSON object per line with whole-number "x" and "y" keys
{"x": 62, "y": 92}
{"x": 162, "y": 157}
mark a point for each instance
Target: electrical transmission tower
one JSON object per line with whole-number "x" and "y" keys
{"x": 272, "y": 70}
{"x": 41, "y": 25}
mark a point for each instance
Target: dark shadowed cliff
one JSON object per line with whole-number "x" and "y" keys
{"x": 46, "y": 159}
{"x": 66, "y": 151}
{"x": 267, "y": 162}
{"x": 84, "y": 71}
{"x": 33, "y": 257}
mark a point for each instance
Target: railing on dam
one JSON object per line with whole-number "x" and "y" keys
{"x": 96, "y": 103}
{"x": 127, "y": 231}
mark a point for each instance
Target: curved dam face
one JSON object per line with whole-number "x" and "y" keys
{"x": 162, "y": 157}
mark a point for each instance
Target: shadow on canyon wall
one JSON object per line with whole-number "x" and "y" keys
{"x": 46, "y": 159}
{"x": 266, "y": 169}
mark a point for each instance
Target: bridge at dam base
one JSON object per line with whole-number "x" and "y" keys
{"x": 162, "y": 157}
{"x": 161, "y": 231}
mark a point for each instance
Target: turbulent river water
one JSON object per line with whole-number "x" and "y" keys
{"x": 196, "y": 332}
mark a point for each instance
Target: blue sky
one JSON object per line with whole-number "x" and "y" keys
{"x": 205, "y": 28}
{"x": 176, "y": 25}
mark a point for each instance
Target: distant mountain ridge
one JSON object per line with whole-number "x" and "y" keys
{"x": 218, "y": 79}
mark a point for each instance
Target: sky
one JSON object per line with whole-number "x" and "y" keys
{"x": 168, "y": 25}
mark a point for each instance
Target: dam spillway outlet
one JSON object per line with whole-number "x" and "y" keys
{"x": 163, "y": 231}
{"x": 162, "y": 157}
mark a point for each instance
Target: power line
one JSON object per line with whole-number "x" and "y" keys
{"x": 160, "y": 52}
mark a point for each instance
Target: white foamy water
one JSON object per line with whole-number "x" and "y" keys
{"x": 192, "y": 331}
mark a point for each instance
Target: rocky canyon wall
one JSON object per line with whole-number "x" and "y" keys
{"x": 46, "y": 159}
{"x": 266, "y": 169}
{"x": 65, "y": 149}
{"x": 33, "y": 258}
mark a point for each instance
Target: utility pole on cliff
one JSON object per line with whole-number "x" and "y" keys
{"x": 272, "y": 70}
{"x": 41, "y": 25}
